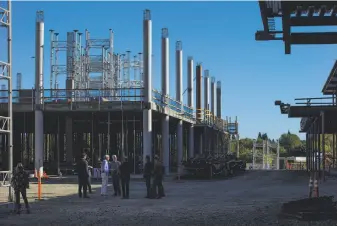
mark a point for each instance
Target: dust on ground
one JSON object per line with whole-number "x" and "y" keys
{"x": 254, "y": 198}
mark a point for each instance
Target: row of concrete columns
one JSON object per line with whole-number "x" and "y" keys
{"x": 147, "y": 112}
{"x": 315, "y": 144}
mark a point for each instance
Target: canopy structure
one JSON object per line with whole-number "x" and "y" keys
{"x": 294, "y": 14}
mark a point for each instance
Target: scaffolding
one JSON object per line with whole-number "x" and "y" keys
{"x": 94, "y": 65}
{"x": 6, "y": 125}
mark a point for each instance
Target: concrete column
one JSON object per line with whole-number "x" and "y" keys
{"x": 191, "y": 105}
{"x": 165, "y": 92}
{"x": 179, "y": 98}
{"x": 213, "y": 96}
{"x": 323, "y": 143}
{"x": 38, "y": 137}
{"x": 218, "y": 99}
{"x": 39, "y": 51}
{"x": 198, "y": 91}
{"x": 147, "y": 68}
{"x": 206, "y": 90}
{"x": 69, "y": 139}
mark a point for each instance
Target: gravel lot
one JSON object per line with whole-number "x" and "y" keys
{"x": 251, "y": 199}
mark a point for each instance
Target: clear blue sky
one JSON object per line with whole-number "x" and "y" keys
{"x": 218, "y": 34}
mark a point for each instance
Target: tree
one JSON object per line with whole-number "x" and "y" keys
{"x": 290, "y": 141}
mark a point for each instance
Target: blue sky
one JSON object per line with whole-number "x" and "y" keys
{"x": 218, "y": 34}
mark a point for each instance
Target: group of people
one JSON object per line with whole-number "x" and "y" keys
{"x": 153, "y": 172}
{"x": 120, "y": 175}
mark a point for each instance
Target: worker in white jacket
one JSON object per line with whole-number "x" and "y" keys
{"x": 105, "y": 169}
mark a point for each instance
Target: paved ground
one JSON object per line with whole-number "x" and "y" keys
{"x": 252, "y": 199}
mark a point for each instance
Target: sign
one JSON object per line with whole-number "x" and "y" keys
{"x": 232, "y": 128}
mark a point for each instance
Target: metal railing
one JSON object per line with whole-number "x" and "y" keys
{"x": 172, "y": 104}
{"x": 102, "y": 96}
{"x": 315, "y": 101}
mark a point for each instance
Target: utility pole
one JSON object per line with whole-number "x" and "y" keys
{"x": 278, "y": 155}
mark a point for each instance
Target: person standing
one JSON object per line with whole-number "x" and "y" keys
{"x": 105, "y": 169}
{"x": 83, "y": 176}
{"x": 90, "y": 168}
{"x": 20, "y": 183}
{"x": 158, "y": 178}
{"x": 147, "y": 176}
{"x": 115, "y": 175}
{"x": 125, "y": 177}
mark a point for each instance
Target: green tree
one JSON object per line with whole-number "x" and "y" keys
{"x": 290, "y": 141}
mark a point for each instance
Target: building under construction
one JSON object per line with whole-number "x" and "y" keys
{"x": 108, "y": 106}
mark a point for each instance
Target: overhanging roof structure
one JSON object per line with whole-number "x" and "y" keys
{"x": 297, "y": 13}
{"x": 311, "y": 108}
{"x": 330, "y": 85}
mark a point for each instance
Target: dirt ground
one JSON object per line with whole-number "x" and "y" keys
{"x": 251, "y": 199}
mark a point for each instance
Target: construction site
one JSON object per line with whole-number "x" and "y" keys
{"x": 109, "y": 105}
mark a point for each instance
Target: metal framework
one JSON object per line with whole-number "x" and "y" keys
{"x": 6, "y": 74}
{"x": 6, "y": 121}
{"x": 266, "y": 155}
{"x": 294, "y": 14}
{"x": 93, "y": 65}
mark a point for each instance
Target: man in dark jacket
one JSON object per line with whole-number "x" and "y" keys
{"x": 158, "y": 178}
{"x": 147, "y": 176}
{"x": 124, "y": 170}
{"x": 20, "y": 183}
{"x": 83, "y": 176}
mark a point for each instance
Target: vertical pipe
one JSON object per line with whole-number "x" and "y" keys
{"x": 315, "y": 146}
{"x": 263, "y": 154}
{"x": 179, "y": 72}
{"x": 323, "y": 144}
{"x": 51, "y": 58}
{"x": 147, "y": 112}
{"x": 333, "y": 149}
{"x": 10, "y": 95}
{"x": 108, "y": 149}
{"x": 190, "y": 82}
{"x": 213, "y": 96}
{"x": 237, "y": 146}
{"x": 165, "y": 64}
{"x": 134, "y": 144}
{"x": 39, "y": 49}
{"x": 206, "y": 90}
{"x": 39, "y": 45}
{"x": 58, "y": 145}
{"x": 319, "y": 151}
{"x": 218, "y": 99}
{"x": 254, "y": 147}
{"x": 278, "y": 155}
{"x": 191, "y": 105}
{"x": 198, "y": 91}
{"x": 179, "y": 98}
